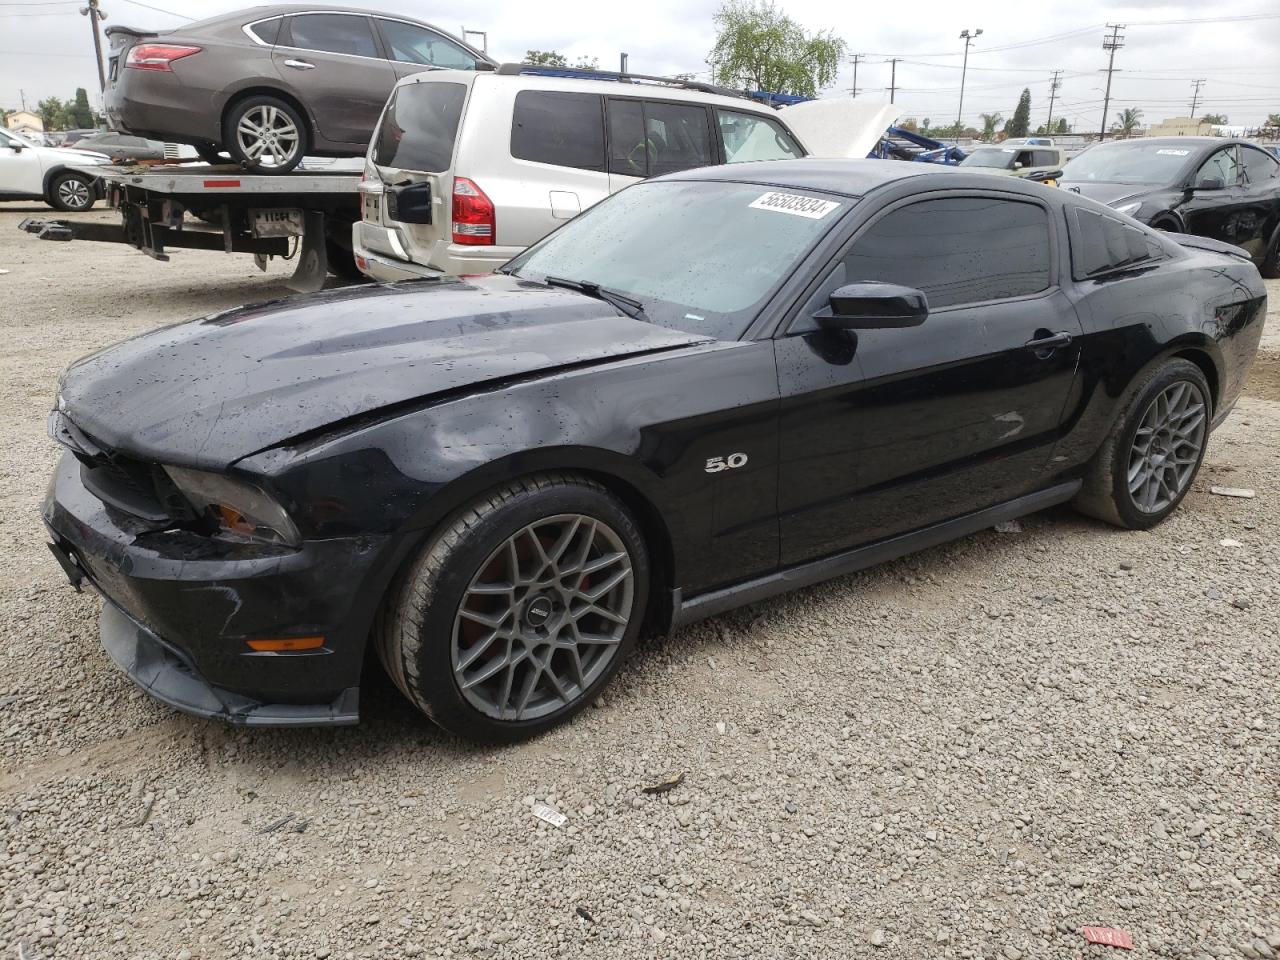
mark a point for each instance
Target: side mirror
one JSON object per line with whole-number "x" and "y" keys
{"x": 1017, "y": 164}
{"x": 15, "y": 146}
{"x": 1210, "y": 183}
{"x": 871, "y": 305}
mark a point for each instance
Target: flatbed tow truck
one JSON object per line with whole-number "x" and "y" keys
{"x": 305, "y": 215}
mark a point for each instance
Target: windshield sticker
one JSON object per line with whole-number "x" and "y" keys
{"x": 1168, "y": 152}
{"x": 794, "y": 204}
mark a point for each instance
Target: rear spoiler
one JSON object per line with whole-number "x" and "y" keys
{"x": 134, "y": 32}
{"x": 1205, "y": 243}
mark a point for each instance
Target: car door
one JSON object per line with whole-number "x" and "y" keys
{"x": 334, "y": 62}
{"x": 1260, "y": 200}
{"x": 889, "y": 430}
{"x": 648, "y": 138}
{"x": 21, "y": 172}
{"x": 414, "y": 48}
{"x": 1212, "y": 208}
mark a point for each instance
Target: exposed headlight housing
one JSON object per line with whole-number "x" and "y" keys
{"x": 240, "y": 509}
{"x": 1128, "y": 209}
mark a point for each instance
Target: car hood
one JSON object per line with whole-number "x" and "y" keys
{"x": 208, "y": 392}
{"x": 69, "y": 155}
{"x": 1111, "y": 194}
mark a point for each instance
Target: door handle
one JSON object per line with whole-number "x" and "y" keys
{"x": 299, "y": 64}
{"x": 1049, "y": 343}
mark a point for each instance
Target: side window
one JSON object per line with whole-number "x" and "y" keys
{"x": 750, "y": 137}
{"x": 1258, "y": 166}
{"x": 267, "y": 30}
{"x": 957, "y": 250}
{"x": 410, "y": 43}
{"x": 1101, "y": 244}
{"x": 1045, "y": 159}
{"x": 628, "y": 151}
{"x": 333, "y": 33}
{"x": 1221, "y": 166}
{"x": 678, "y": 136}
{"x": 566, "y": 129}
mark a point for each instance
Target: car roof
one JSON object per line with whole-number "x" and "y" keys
{"x": 853, "y": 178}
{"x": 552, "y": 79}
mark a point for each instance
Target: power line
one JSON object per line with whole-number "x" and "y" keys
{"x": 148, "y": 6}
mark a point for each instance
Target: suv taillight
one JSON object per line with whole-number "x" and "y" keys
{"x": 157, "y": 56}
{"x": 473, "y": 215}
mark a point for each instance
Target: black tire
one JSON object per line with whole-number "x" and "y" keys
{"x": 72, "y": 191}
{"x": 279, "y": 114}
{"x": 1106, "y": 494}
{"x": 1270, "y": 266}
{"x": 417, "y": 630}
{"x": 212, "y": 153}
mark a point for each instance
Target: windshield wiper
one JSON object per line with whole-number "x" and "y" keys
{"x": 631, "y": 307}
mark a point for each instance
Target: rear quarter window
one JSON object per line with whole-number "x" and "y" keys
{"x": 1101, "y": 244}
{"x": 564, "y": 129}
{"x": 420, "y": 127}
{"x": 267, "y": 30}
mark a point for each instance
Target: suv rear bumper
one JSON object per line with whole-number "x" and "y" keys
{"x": 372, "y": 244}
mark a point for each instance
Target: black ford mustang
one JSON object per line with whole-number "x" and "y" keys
{"x": 710, "y": 388}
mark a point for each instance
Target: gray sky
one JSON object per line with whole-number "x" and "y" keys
{"x": 45, "y": 48}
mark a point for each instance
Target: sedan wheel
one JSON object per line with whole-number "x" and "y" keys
{"x": 1150, "y": 458}
{"x": 519, "y": 609}
{"x": 267, "y": 134}
{"x": 1167, "y": 447}
{"x": 543, "y": 618}
{"x": 72, "y": 192}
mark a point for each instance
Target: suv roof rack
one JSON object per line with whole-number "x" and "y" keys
{"x": 582, "y": 73}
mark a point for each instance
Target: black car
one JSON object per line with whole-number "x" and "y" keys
{"x": 1225, "y": 189}
{"x": 710, "y": 388}
{"x": 121, "y": 147}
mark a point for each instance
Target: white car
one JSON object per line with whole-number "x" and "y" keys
{"x": 51, "y": 174}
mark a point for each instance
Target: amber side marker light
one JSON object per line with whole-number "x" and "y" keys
{"x": 286, "y": 644}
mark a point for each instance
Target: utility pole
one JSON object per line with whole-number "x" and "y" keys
{"x": 893, "y": 76}
{"x": 1195, "y": 97}
{"x": 622, "y": 65}
{"x": 1110, "y": 43}
{"x": 22, "y": 94}
{"x": 856, "y": 57}
{"x": 95, "y": 14}
{"x": 968, "y": 38}
{"x": 1054, "y": 84}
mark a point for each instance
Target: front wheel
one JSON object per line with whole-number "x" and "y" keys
{"x": 265, "y": 134}
{"x": 71, "y": 191}
{"x": 1151, "y": 456}
{"x": 519, "y": 609}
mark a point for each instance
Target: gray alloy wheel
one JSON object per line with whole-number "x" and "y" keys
{"x": 72, "y": 192}
{"x": 1167, "y": 446}
{"x": 268, "y": 136}
{"x": 543, "y": 618}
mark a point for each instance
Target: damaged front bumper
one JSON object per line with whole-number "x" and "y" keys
{"x": 179, "y": 610}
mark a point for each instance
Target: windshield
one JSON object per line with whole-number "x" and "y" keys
{"x": 991, "y": 157}
{"x": 14, "y": 135}
{"x": 699, "y": 256}
{"x": 1129, "y": 162}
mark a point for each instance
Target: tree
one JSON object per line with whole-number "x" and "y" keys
{"x": 1214, "y": 119}
{"x": 1273, "y": 120}
{"x": 762, "y": 48}
{"x": 909, "y": 123}
{"x": 1020, "y": 125}
{"x": 1062, "y": 127}
{"x": 53, "y": 113}
{"x": 989, "y": 122}
{"x": 1127, "y": 121}
{"x": 81, "y": 112}
{"x": 550, "y": 58}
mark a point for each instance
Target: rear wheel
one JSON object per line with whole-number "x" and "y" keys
{"x": 519, "y": 610}
{"x": 71, "y": 191}
{"x": 1147, "y": 463}
{"x": 1270, "y": 266}
{"x": 266, "y": 134}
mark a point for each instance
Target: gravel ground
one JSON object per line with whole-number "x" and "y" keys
{"x": 974, "y": 751}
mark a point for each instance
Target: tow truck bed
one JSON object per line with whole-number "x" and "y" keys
{"x": 202, "y": 207}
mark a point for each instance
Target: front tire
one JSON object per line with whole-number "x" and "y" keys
{"x": 265, "y": 134}
{"x": 519, "y": 609}
{"x": 72, "y": 192}
{"x": 1151, "y": 457}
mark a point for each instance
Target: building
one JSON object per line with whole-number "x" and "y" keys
{"x": 1180, "y": 127}
{"x": 21, "y": 120}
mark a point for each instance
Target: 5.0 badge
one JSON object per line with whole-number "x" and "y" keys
{"x": 731, "y": 462}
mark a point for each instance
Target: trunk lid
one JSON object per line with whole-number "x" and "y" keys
{"x": 208, "y": 392}
{"x": 839, "y": 127}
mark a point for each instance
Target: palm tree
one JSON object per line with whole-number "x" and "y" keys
{"x": 1127, "y": 121}
{"x": 989, "y": 122}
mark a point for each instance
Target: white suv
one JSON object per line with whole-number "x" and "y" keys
{"x": 466, "y": 169}
{"x": 31, "y": 172}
